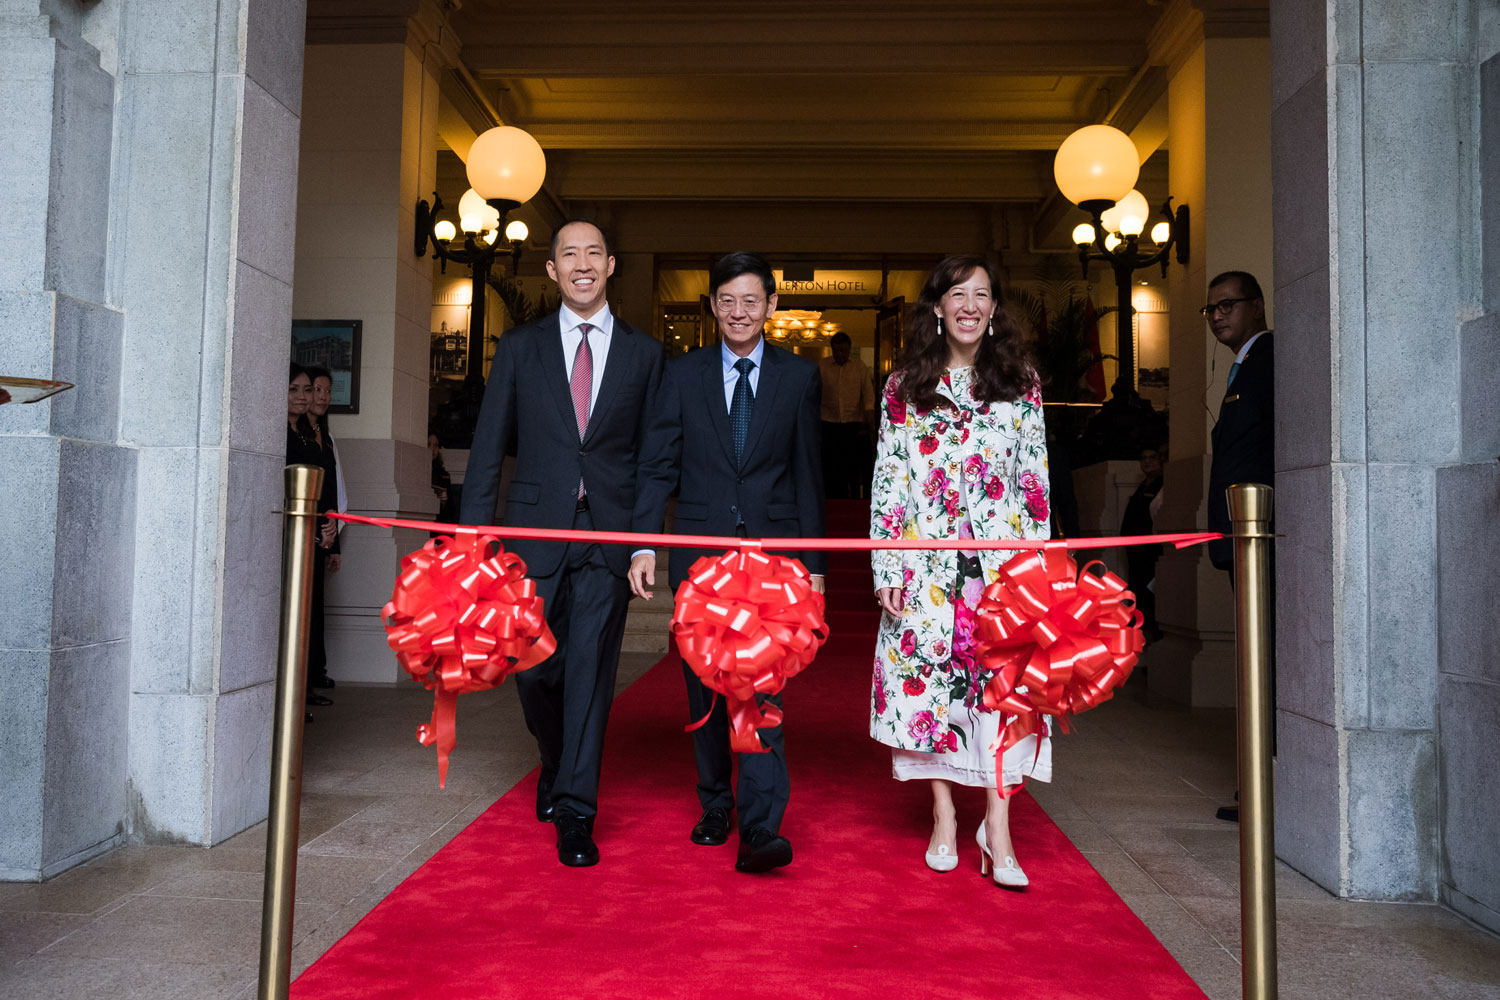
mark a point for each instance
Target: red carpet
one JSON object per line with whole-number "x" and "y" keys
{"x": 857, "y": 914}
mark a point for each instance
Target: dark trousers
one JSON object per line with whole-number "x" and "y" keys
{"x": 847, "y": 461}
{"x": 764, "y": 786}
{"x": 566, "y": 698}
{"x": 317, "y": 647}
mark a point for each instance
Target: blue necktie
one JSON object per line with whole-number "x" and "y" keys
{"x": 1233, "y": 370}
{"x": 740, "y": 406}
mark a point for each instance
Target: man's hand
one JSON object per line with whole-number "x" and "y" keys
{"x": 327, "y": 533}
{"x": 819, "y": 584}
{"x": 333, "y": 562}
{"x": 642, "y": 575}
{"x": 890, "y": 600}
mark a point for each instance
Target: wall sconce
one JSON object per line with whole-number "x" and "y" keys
{"x": 1096, "y": 169}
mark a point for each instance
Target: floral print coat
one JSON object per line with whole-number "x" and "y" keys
{"x": 988, "y": 460}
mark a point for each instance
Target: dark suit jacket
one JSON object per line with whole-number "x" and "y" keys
{"x": 1244, "y": 440}
{"x": 528, "y": 410}
{"x": 778, "y": 490}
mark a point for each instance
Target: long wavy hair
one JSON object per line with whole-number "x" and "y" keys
{"x": 1003, "y": 369}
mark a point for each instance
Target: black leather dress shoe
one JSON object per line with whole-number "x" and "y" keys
{"x": 575, "y": 845}
{"x": 318, "y": 699}
{"x": 323, "y": 681}
{"x": 713, "y": 829}
{"x": 544, "y": 799}
{"x": 761, "y": 850}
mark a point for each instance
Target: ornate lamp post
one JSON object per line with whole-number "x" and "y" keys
{"x": 1096, "y": 169}
{"x": 506, "y": 167}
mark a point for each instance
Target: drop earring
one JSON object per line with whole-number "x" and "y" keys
{"x": 992, "y": 326}
{"x": 940, "y": 326}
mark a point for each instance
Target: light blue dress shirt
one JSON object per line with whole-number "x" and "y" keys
{"x": 731, "y": 376}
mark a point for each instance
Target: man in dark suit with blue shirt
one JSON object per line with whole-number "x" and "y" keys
{"x": 568, "y": 395}
{"x": 1244, "y": 436}
{"x": 737, "y": 431}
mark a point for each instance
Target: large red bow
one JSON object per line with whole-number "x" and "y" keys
{"x": 1058, "y": 640}
{"x": 745, "y": 622}
{"x": 462, "y": 619}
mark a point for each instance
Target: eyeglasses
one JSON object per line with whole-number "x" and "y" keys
{"x": 1223, "y": 307}
{"x": 749, "y": 303}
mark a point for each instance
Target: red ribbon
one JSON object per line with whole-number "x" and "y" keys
{"x": 746, "y": 622}
{"x": 462, "y": 619}
{"x": 1059, "y": 641}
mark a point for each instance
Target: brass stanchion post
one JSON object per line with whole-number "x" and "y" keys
{"x": 1250, "y": 507}
{"x": 303, "y": 484}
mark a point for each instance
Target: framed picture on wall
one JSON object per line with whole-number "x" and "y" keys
{"x": 331, "y": 344}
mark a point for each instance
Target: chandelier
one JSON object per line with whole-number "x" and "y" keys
{"x": 799, "y": 325}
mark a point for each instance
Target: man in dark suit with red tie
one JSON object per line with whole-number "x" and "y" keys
{"x": 736, "y": 430}
{"x": 1244, "y": 437}
{"x": 568, "y": 395}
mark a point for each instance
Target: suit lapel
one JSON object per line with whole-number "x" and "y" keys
{"x": 554, "y": 369}
{"x": 713, "y": 395}
{"x": 614, "y": 377}
{"x": 765, "y": 396}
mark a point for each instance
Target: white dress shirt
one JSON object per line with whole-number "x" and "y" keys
{"x": 732, "y": 377}
{"x": 603, "y": 323}
{"x": 1245, "y": 350}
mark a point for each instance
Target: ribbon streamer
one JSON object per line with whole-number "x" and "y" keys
{"x": 463, "y": 619}
{"x": 745, "y": 623}
{"x": 1057, "y": 640}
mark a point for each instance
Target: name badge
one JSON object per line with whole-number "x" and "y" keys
{"x": 1231, "y": 399}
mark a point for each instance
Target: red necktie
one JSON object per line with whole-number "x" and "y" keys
{"x": 582, "y": 384}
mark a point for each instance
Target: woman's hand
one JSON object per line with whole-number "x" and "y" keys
{"x": 890, "y": 600}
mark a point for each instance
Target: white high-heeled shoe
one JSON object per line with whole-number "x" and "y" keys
{"x": 943, "y": 861}
{"x": 1008, "y": 875}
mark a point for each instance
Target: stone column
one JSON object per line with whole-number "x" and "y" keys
{"x": 145, "y": 645}
{"x": 1218, "y": 104}
{"x": 1389, "y": 686}
{"x": 369, "y": 139}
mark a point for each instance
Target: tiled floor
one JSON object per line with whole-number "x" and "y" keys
{"x": 1136, "y": 790}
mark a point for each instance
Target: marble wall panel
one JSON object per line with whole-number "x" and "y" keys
{"x": 258, "y": 362}
{"x": 1348, "y": 221}
{"x": 164, "y": 241}
{"x": 1392, "y": 813}
{"x": 1299, "y": 195}
{"x": 171, "y": 767}
{"x": 252, "y": 571}
{"x": 1470, "y": 791}
{"x": 23, "y": 702}
{"x": 28, "y": 66}
{"x": 87, "y": 728}
{"x": 1309, "y": 808}
{"x": 1402, "y": 586}
{"x": 275, "y": 32}
{"x": 1468, "y": 605}
{"x": 1304, "y": 361}
{"x": 28, "y": 536}
{"x": 242, "y": 759}
{"x": 268, "y": 184}
{"x": 1299, "y": 46}
{"x": 87, "y": 340}
{"x": 95, "y": 544}
{"x": 26, "y": 334}
{"x": 168, "y": 36}
{"x": 1489, "y": 174}
{"x": 80, "y": 161}
{"x": 1306, "y": 654}
{"x": 163, "y": 599}
{"x": 1410, "y": 30}
{"x": 1411, "y": 130}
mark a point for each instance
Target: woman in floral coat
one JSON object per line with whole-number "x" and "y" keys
{"x": 962, "y": 454}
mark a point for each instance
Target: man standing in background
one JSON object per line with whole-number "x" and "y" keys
{"x": 1244, "y": 437}
{"x": 848, "y": 415}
